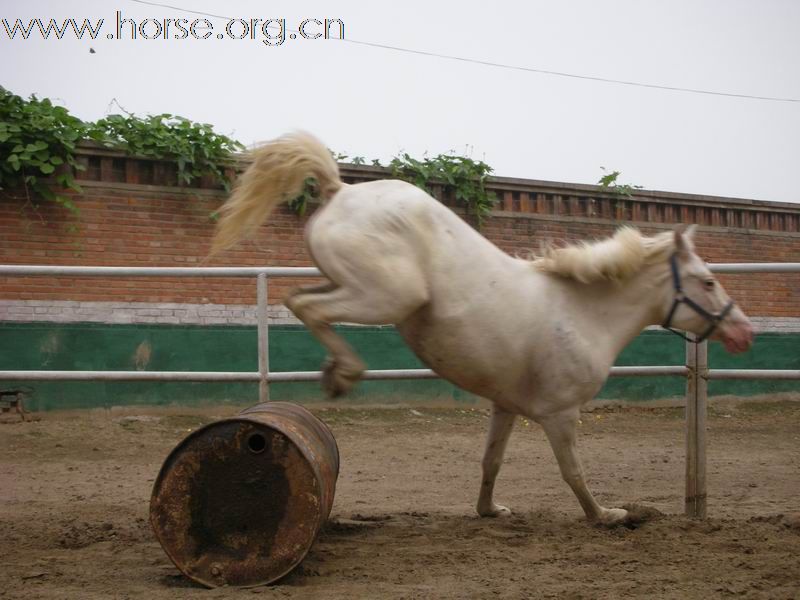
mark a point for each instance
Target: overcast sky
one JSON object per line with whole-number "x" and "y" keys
{"x": 376, "y": 102}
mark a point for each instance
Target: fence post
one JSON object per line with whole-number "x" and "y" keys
{"x": 263, "y": 338}
{"x": 696, "y": 405}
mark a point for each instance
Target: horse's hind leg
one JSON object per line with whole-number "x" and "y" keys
{"x": 319, "y": 288}
{"x": 499, "y": 431}
{"x": 329, "y": 364}
{"x": 377, "y": 306}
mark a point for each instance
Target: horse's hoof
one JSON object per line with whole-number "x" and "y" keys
{"x": 337, "y": 381}
{"x": 334, "y": 385}
{"x": 494, "y": 511}
{"x": 612, "y": 517}
{"x": 329, "y": 378}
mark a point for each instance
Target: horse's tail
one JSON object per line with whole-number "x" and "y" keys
{"x": 277, "y": 174}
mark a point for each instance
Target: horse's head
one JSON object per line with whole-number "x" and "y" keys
{"x": 699, "y": 304}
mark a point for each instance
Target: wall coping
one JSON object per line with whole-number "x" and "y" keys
{"x": 496, "y": 183}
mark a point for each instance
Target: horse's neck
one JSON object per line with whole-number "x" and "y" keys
{"x": 616, "y": 313}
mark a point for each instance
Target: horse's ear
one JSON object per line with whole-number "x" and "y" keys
{"x": 683, "y": 239}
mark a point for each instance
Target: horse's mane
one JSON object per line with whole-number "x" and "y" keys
{"x": 612, "y": 259}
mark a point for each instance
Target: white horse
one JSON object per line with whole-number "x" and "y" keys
{"x": 536, "y": 337}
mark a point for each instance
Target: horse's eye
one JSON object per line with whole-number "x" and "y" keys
{"x": 709, "y": 283}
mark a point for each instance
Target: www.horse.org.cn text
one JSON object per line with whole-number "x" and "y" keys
{"x": 269, "y": 31}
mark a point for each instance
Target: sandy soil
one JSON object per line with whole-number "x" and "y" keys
{"x": 74, "y": 492}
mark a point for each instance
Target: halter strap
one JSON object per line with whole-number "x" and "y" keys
{"x": 682, "y": 298}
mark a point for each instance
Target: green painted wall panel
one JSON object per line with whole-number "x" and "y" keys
{"x": 85, "y": 346}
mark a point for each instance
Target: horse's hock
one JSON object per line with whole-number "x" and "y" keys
{"x": 240, "y": 501}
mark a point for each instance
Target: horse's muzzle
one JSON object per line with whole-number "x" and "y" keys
{"x": 736, "y": 333}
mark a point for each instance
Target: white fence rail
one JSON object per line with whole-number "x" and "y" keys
{"x": 695, "y": 370}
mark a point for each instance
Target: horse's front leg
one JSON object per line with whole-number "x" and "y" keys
{"x": 561, "y": 430}
{"x": 499, "y": 431}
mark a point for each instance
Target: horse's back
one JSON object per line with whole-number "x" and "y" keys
{"x": 385, "y": 206}
{"x": 391, "y": 224}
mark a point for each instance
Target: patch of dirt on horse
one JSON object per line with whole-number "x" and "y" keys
{"x": 75, "y": 490}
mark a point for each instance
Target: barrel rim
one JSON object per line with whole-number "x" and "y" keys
{"x": 259, "y": 408}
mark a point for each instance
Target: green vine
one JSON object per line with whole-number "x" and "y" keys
{"x": 195, "y": 147}
{"x": 622, "y": 190}
{"x": 463, "y": 177}
{"x": 38, "y": 143}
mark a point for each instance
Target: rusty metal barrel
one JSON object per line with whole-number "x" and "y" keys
{"x": 240, "y": 501}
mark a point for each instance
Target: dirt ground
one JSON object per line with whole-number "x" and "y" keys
{"x": 74, "y": 493}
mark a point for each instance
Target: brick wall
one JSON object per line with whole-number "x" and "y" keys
{"x": 131, "y": 215}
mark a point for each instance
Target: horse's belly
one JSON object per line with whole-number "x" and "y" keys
{"x": 459, "y": 354}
